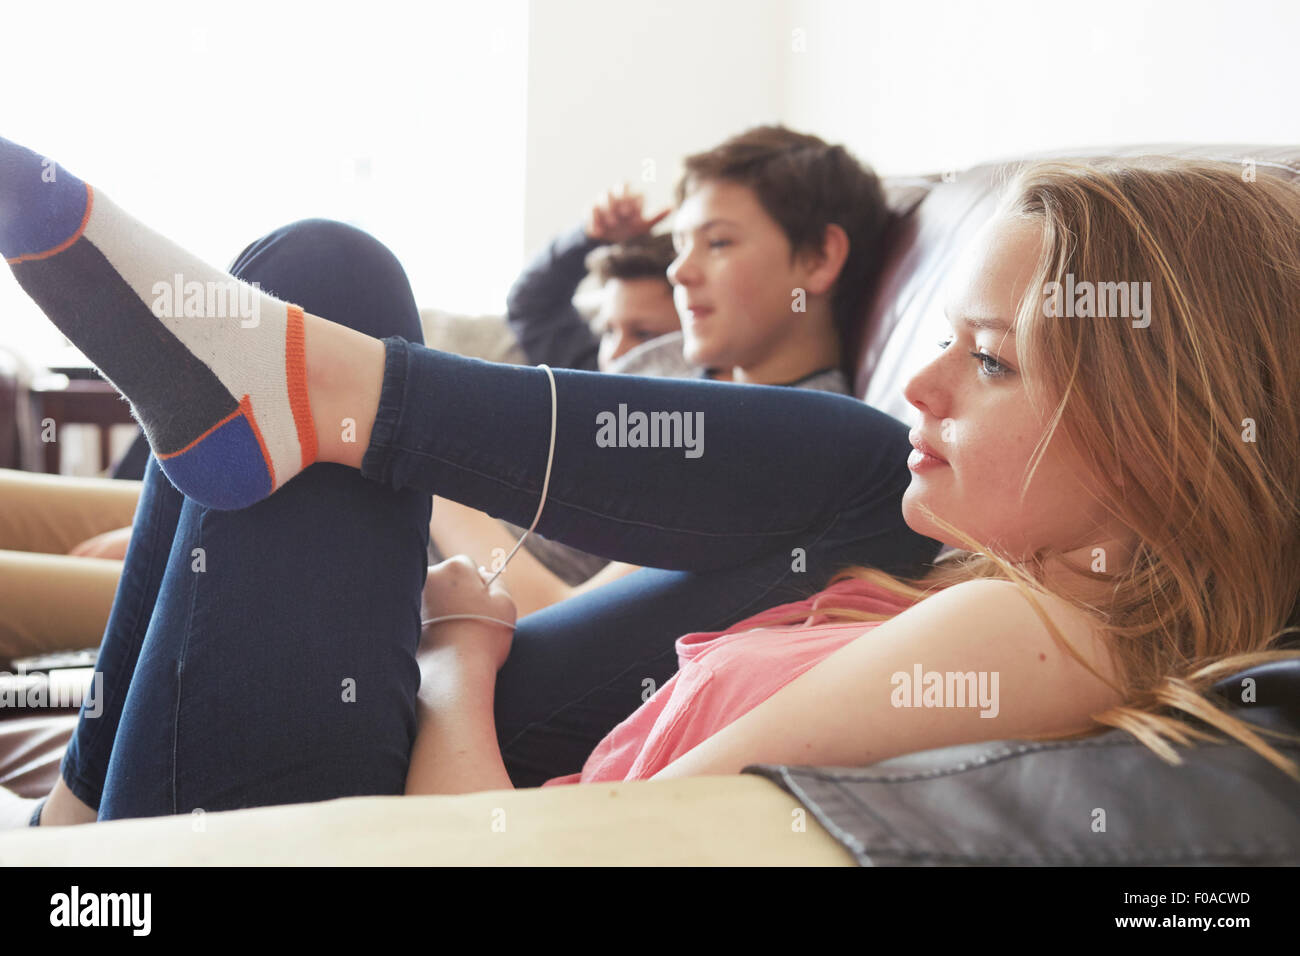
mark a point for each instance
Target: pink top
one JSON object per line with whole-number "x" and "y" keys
{"x": 722, "y": 675}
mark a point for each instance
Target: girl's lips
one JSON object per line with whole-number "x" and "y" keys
{"x": 923, "y": 456}
{"x": 920, "y": 461}
{"x": 699, "y": 312}
{"x": 924, "y": 447}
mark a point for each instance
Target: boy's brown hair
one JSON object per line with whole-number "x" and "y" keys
{"x": 643, "y": 257}
{"x": 805, "y": 184}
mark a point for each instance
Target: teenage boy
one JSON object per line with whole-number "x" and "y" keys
{"x": 778, "y": 236}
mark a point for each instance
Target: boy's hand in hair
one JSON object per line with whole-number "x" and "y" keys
{"x": 619, "y": 216}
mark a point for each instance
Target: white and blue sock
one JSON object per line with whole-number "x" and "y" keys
{"x": 214, "y": 369}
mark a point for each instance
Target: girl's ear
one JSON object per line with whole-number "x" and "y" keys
{"x": 825, "y": 265}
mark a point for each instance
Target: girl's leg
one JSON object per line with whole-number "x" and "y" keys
{"x": 147, "y": 557}
{"x": 765, "y": 469}
{"x": 277, "y": 661}
{"x": 85, "y": 761}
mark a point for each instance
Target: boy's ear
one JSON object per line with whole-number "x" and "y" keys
{"x": 825, "y": 265}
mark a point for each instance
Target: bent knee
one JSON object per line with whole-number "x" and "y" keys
{"x": 337, "y": 271}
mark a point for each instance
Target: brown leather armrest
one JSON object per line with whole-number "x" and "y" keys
{"x": 31, "y": 748}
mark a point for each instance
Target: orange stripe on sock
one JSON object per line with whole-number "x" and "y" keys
{"x": 33, "y": 256}
{"x": 172, "y": 454}
{"x": 246, "y": 406}
{"x": 295, "y": 367}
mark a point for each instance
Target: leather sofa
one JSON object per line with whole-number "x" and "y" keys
{"x": 1104, "y": 800}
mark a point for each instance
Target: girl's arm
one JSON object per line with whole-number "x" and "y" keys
{"x": 455, "y": 749}
{"x": 847, "y": 710}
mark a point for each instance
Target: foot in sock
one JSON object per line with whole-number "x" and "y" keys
{"x": 214, "y": 369}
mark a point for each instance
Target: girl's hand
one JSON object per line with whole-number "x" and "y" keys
{"x": 619, "y": 216}
{"x": 456, "y": 586}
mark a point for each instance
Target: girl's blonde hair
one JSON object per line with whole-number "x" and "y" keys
{"x": 1190, "y": 427}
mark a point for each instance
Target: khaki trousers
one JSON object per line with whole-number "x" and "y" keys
{"x": 49, "y": 600}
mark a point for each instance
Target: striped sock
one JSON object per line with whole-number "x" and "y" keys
{"x": 213, "y": 368}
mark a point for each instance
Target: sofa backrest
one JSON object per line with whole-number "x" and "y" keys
{"x": 934, "y": 218}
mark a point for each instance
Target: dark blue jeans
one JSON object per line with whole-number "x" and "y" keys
{"x": 267, "y": 656}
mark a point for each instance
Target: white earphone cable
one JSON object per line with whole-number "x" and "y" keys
{"x": 546, "y": 484}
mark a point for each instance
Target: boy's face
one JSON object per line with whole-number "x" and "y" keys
{"x": 633, "y": 311}
{"x": 733, "y": 278}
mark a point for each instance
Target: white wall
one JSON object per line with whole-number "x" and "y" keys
{"x": 215, "y": 122}
{"x": 924, "y": 87}
{"x": 614, "y": 87}
{"x": 910, "y": 86}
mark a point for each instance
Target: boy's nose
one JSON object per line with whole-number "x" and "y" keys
{"x": 682, "y": 271}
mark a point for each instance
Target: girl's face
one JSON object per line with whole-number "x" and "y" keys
{"x": 976, "y": 417}
{"x": 733, "y": 278}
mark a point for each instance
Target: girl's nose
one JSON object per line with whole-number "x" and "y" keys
{"x": 925, "y": 391}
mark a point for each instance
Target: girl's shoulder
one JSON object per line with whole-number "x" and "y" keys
{"x": 1026, "y": 614}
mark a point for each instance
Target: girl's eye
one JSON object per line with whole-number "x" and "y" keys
{"x": 719, "y": 243}
{"x": 989, "y": 366}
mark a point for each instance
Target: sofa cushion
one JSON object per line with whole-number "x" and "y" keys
{"x": 733, "y": 820}
{"x": 475, "y": 336}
